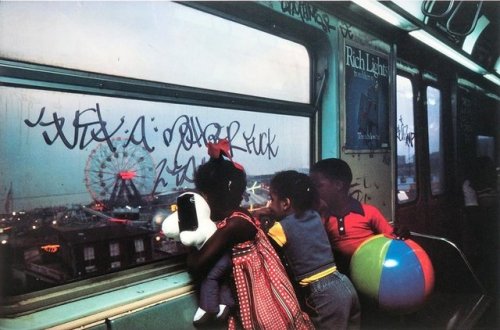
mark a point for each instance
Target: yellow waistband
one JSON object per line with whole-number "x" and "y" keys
{"x": 308, "y": 280}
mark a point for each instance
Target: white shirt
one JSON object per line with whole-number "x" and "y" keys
{"x": 470, "y": 196}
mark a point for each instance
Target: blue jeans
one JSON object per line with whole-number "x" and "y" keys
{"x": 334, "y": 303}
{"x": 213, "y": 289}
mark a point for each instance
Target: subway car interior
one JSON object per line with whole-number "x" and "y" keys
{"x": 106, "y": 108}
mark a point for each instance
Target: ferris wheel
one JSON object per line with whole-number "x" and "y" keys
{"x": 119, "y": 177}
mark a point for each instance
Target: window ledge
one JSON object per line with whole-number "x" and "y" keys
{"x": 98, "y": 308}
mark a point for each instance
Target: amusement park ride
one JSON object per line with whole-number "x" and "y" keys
{"x": 121, "y": 177}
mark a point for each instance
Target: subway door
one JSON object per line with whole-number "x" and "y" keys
{"x": 410, "y": 199}
{"x": 437, "y": 153}
{"x": 425, "y": 199}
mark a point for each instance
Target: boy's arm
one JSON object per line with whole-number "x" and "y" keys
{"x": 382, "y": 226}
{"x": 379, "y": 223}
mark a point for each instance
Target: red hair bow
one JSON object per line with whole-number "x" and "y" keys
{"x": 222, "y": 147}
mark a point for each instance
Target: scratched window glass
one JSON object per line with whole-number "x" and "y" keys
{"x": 405, "y": 136}
{"x": 75, "y": 164}
{"x": 436, "y": 156}
{"x": 155, "y": 40}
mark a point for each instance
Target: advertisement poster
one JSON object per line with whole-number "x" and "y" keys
{"x": 366, "y": 99}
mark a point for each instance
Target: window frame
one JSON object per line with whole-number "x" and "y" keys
{"x": 37, "y": 76}
{"x": 50, "y": 78}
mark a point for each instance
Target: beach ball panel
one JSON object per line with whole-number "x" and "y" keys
{"x": 425, "y": 263}
{"x": 402, "y": 282}
{"x": 397, "y": 274}
{"x": 367, "y": 263}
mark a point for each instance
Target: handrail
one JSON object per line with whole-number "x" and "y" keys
{"x": 479, "y": 306}
{"x": 462, "y": 255}
{"x": 450, "y": 13}
{"x": 472, "y": 24}
{"x": 426, "y": 8}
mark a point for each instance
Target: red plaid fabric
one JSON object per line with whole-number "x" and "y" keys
{"x": 266, "y": 297}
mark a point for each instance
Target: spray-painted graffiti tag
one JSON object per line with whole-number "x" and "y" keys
{"x": 97, "y": 126}
{"x": 184, "y": 133}
{"x": 360, "y": 189}
{"x": 403, "y": 133}
{"x": 307, "y": 13}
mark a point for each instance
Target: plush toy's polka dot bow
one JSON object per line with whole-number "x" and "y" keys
{"x": 222, "y": 147}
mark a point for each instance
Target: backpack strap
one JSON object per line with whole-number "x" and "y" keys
{"x": 243, "y": 215}
{"x": 238, "y": 214}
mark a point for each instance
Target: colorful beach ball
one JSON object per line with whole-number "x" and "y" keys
{"x": 397, "y": 274}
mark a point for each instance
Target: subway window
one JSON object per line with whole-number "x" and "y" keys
{"x": 405, "y": 136}
{"x": 87, "y": 179}
{"x": 436, "y": 155}
{"x": 157, "y": 40}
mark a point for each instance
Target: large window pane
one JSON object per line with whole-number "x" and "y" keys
{"x": 65, "y": 156}
{"x": 406, "y": 164}
{"x": 158, "y": 40}
{"x": 435, "y": 140}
